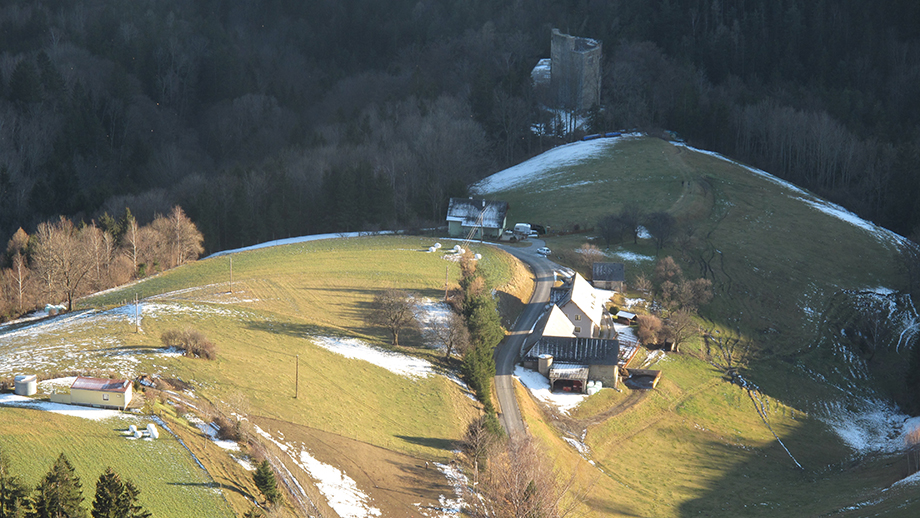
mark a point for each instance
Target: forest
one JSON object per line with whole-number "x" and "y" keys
{"x": 266, "y": 119}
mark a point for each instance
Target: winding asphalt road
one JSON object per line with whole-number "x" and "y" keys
{"x": 508, "y": 351}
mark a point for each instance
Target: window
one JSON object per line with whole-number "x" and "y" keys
{"x": 577, "y": 317}
{"x": 105, "y": 397}
{"x": 577, "y": 329}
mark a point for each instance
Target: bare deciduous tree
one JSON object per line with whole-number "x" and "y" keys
{"x": 591, "y": 254}
{"x": 680, "y": 327}
{"x": 131, "y": 241}
{"x": 661, "y": 226}
{"x": 182, "y": 240}
{"x": 649, "y": 329}
{"x": 518, "y": 484}
{"x": 453, "y": 334}
{"x": 394, "y": 310}
{"x": 62, "y": 256}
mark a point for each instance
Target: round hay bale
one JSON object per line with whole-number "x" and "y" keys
{"x": 437, "y": 245}
{"x": 132, "y": 429}
{"x": 152, "y": 431}
{"x": 138, "y": 434}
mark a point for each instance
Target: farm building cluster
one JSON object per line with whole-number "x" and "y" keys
{"x": 575, "y": 343}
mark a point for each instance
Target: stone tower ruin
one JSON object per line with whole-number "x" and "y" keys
{"x": 575, "y": 73}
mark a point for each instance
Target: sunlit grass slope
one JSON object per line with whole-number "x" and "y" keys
{"x": 284, "y": 296}
{"x": 696, "y": 445}
{"x": 171, "y": 483}
{"x": 283, "y": 299}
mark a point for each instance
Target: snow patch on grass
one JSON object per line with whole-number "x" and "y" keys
{"x": 540, "y": 388}
{"x": 447, "y": 507}
{"x": 295, "y": 240}
{"x": 397, "y": 363}
{"x": 340, "y": 490}
{"x": 868, "y": 425}
{"x": 211, "y": 430}
{"x": 432, "y": 314}
{"x": 631, "y": 256}
{"x": 94, "y": 414}
{"x": 544, "y": 164}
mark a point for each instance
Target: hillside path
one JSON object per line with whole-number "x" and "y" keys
{"x": 508, "y": 352}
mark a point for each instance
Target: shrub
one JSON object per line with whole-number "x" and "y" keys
{"x": 192, "y": 341}
{"x": 227, "y": 430}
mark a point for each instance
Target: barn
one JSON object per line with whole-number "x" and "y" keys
{"x": 97, "y": 392}
{"x": 608, "y": 276}
{"x": 569, "y": 362}
{"x": 476, "y": 219}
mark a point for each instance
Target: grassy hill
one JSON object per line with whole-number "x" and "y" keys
{"x": 378, "y": 426}
{"x": 792, "y": 278}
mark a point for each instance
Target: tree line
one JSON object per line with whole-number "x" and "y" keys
{"x": 60, "y": 494}
{"x": 269, "y": 119}
{"x": 62, "y": 260}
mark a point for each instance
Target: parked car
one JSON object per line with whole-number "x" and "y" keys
{"x": 544, "y": 251}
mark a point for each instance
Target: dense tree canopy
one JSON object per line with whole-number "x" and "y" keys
{"x": 267, "y": 118}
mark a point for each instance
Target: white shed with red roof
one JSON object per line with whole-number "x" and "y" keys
{"x": 100, "y": 392}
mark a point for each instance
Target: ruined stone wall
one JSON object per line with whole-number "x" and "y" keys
{"x": 576, "y": 71}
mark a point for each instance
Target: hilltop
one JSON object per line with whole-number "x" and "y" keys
{"x": 794, "y": 279}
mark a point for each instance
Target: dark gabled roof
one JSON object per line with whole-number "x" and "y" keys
{"x": 560, "y": 295}
{"x": 615, "y": 272}
{"x": 592, "y": 351}
{"x": 467, "y": 211}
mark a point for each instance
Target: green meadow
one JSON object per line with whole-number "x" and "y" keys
{"x": 786, "y": 279}
{"x": 284, "y": 300}
{"x": 170, "y": 481}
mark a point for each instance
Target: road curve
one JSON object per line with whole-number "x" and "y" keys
{"x": 508, "y": 351}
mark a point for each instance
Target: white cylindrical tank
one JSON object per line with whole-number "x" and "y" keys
{"x": 26, "y": 385}
{"x": 152, "y": 431}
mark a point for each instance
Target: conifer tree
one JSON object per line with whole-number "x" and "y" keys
{"x": 59, "y": 494}
{"x": 12, "y": 491}
{"x": 116, "y": 499}
{"x": 264, "y": 478}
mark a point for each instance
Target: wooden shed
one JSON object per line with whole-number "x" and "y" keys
{"x": 625, "y": 317}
